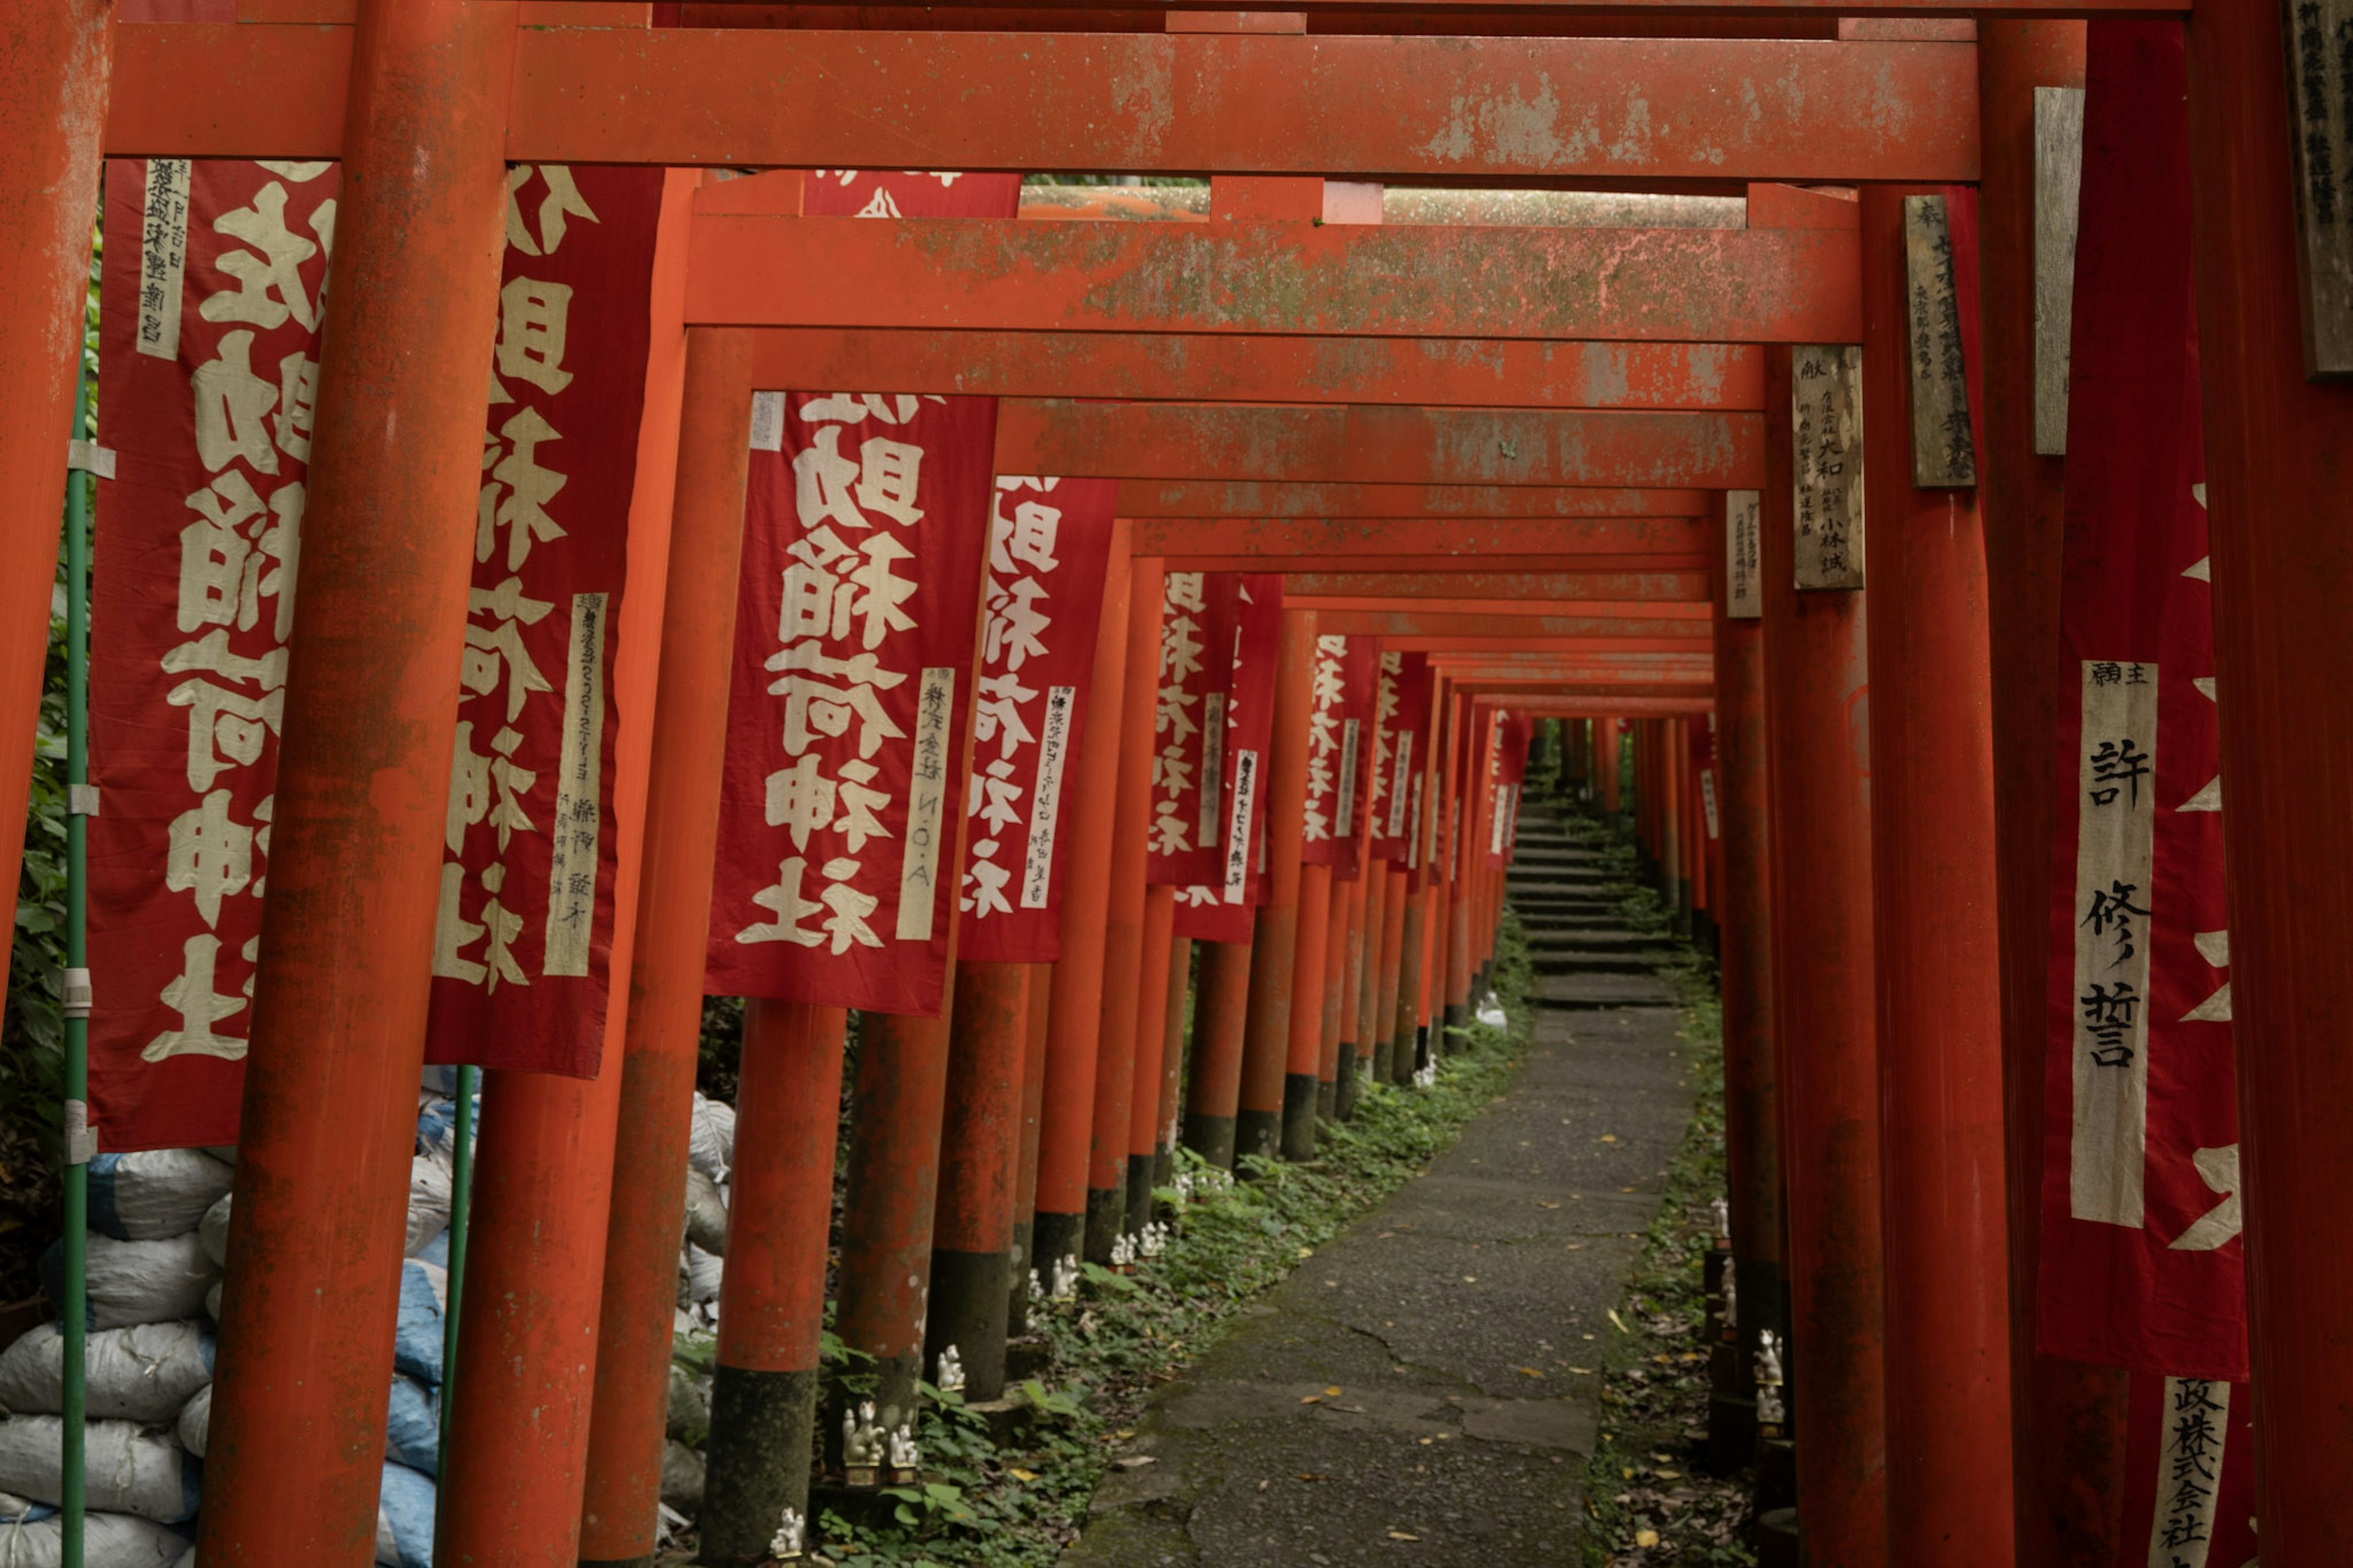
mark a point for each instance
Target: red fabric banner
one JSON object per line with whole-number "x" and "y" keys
{"x": 1511, "y": 766}
{"x": 1336, "y": 739}
{"x": 210, "y": 331}
{"x": 1048, "y": 541}
{"x": 2142, "y": 1263}
{"x": 1199, "y": 623}
{"x": 866, "y": 527}
{"x": 1702, "y": 761}
{"x": 1221, "y": 910}
{"x": 521, "y": 950}
{"x": 1400, "y": 750}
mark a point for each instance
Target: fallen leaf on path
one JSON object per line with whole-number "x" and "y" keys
{"x": 1021, "y": 1475}
{"x": 1311, "y": 1399}
{"x": 1401, "y": 1535}
{"x": 1646, "y": 1538}
{"x": 1333, "y": 1392}
{"x": 1619, "y": 1322}
{"x": 1610, "y": 1138}
{"x": 1543, "y": 1205}
{"x": 1530, "y": 1372}
{"x": 1135, "y": 1461}
{"x": 1309, "y": 1475}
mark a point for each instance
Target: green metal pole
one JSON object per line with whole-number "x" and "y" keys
{"x": 78, "y": 1143}
{"x": 461, "y": 1205}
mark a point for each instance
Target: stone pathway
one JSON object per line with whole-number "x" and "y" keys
{"x": 1419, "y": 1391}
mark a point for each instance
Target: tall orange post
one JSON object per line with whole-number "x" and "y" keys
{"x": 772, "y": 1295}
{"x": 1122, "y": 963}
{"x": 980, "y": 1155}
{"x": 2282, "y": 575}
{"x": 1816, "y": 685}
{"x": 1220, "y": 1017}
{"x": 1466, "y": 851}
{"x": 659, "y": 1053}
{"x": 1152, "y": 1043}
{"x": 1606, "y": 764}
{"x": 1171, "y": 1059}
{"x": 1259, "y": 1120}
{"x": 1074, "y": 1021}
{"x": 1751, "y": 1107}
{"x": 55, "y": 61}
{"x": 1024, "y": 1196}
{"x": 1335, "y": 972}
{"x": 2067, "y": 1420}
{"x": 1932, "y": 863}
{"x": 1305, "y": 1049}
{"x": 1360, "y": 982}
{"x": 370, "y": 717}
{"x": 1390, "y": 969}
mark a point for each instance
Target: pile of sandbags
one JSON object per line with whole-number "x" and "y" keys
{"x": 158, "y": 1246}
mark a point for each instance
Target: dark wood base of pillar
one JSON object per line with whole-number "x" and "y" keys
{"x": 1210, "y": 1137}
{"x": 616, "y": 1562}
{"x": 1327, "y": 1099}
{"x": 1164, "y": 1168}
{"x": 1106, "y": 1208}
{"x": 1777, "y": 1475}
{"x": 1778, "y": 1544}
{"x": 1352, "y": 1080}
{"x": 1258, "y": 1132}
{"x": 1019, "y": 1261}
{"x": 1457, "y": 1015}
{"x": 1052, "y": 1237}
{"x": 1140, "y": 1174}
{"x": 1385, "y": 1059}
{"x": 1299, "y": 1096}
{"x": 761, "y": 1424}
{"x": 970, "y": 1302}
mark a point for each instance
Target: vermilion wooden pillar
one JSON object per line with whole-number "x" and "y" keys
{"x": 1362, "y": 979}
{"x": 1025, "y": 1176}
{"x": 1266, "y": 1050}
{"x": 1932, "y": 862}
{"x": 2067, "y": 1420}
{"x": 330, "y": 1107}
{"x": 1336, "y": 979}
{"x": 1220, "y": 1015}
{"x": 980, "y": 1156}
{"x": 772, "y": 1295}
{"x": 1172, "y": 1061}
{"x": 659, "y": 1054}
{"x": 1066, "y": 1117}
{"x": 1606, "y": 762}
{"x": 1304, "y": 1044}
{"x": 1152, "y": 1043}
{"x": 1385, "y": 1034}
{"x": 2277, "y": 452}
{"x": 1674, "y": 832}
{"x": 1816, "y": 685}
{"x": 1751, "y": 1110}
{"x": 1123, "y": 935}
{"x": 55, "y": 60}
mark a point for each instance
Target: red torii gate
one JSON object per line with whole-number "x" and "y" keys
{"x": 2285, "y": 427}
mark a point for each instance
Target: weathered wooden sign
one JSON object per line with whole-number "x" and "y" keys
{"x": 1826, "y": 421}
{"x": 2058, "y": 187}
{"x": 2319, "y": 77}
{"x": 1944, "y": 452}
{"x": 1744, "y": 585}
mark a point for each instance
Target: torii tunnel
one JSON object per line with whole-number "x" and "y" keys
{"x": 1919, "y": 431}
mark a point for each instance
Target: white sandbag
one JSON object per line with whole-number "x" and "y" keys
{"x": 158, "y": 1282}
{"x": 706, "y": 1213}
{"x": 682, "y": 1478}
{"x": 155, "y": 1193}
{"x": 108, "y": 1541}
{"x": 403, "y": 1519}
{"x": 429, "y": 1202}
{"x": 142, "y": 1374}
{"x": 212, "y": 1232}
{"x": 132, "y": 1468}
{"x": 689, "y": 1404}
{"x": 412, "y": 1428}
{"x": 711, "y": 1143}
{"x": 212, "y": 1302}
{"x": 195, "y": 1423}
{"x": 702, "y": 1273}
{"x": 417, "y": 1340}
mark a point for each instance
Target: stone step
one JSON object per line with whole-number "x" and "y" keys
{"x": 1616, "y": 938}
{"x": 1592, "y": 962}
{"x": 1589, "y": 992}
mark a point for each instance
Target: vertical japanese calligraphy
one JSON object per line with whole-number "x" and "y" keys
{"x": 522, "y": 945}
{"x": 2190, "y": 1490}
{"x": 2320, "y": 97}
{"x": 1342, "y": 698}
{"x": 1744, "y": 586}
{"x": 1198, "y": 624}
{"x": 1049, "y": 540}
{"x": 2142, "y": 1263}
{"x": 1944, "y": 449}
{"x": 1219, "y": 908}
{"x": 209, "y": 342}
{"x": 1826, "y": 418}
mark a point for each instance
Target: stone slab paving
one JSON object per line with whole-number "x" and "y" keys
{"x": 1429, "y": 1314}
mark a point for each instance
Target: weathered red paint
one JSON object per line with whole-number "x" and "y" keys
{"x": 1152, "y": 1037}
{"x": 660, "y": 1050}
{"x": 2275, "y": 454}
{"x": 1143, "y": 498}
{"x": 788, "y": 1116}
{"x": 55, "y": 62}
{"x": 1261, "y": 368}
{"x": 1825, "y": 1020}
{"x": 1449, "y": 539}
{"x": 980, "y": 1137}
{"x": 370, "y": 715}
{"x": 1266, "y": 1047}
{"x": 2067, "y": 1421}
{"x": 1939, "y": 1002}
{"x": 1466, "y": 110}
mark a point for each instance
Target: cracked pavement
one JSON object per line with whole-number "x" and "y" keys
{"x": 1419, "y": 1391}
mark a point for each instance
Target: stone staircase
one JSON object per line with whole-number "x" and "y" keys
{"x": 1583, "y": 954}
